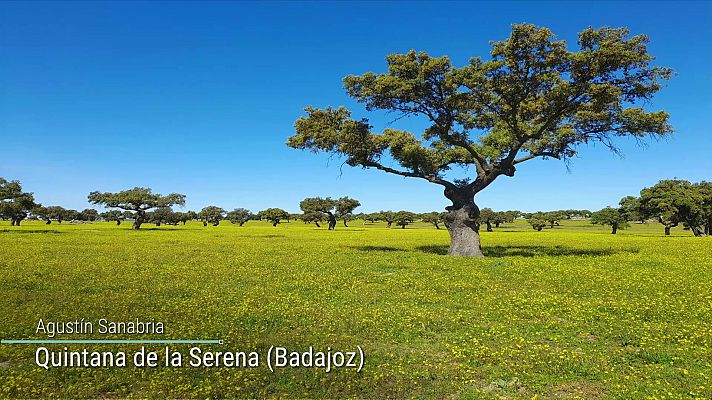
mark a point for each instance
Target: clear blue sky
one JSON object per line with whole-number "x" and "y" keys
{"x": 199, "y": 98}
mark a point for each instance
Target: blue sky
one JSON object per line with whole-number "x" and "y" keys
{"x": 199, "y": 98}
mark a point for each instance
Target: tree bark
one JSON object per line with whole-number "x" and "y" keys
{"x": 317, "y": 224}
{"x": 118, "y": 222}
{"x": 614, "y": 229}
{"x": 389, "y": 224}
{"x": 345, "y": 224}
{"x": 49, "y": 221}
{"x": 489, "y": 226}
{"x": 697, "y": 231}
{"x": 205, "y": 223}
{"x": 242, "y": 223}
{"x": 461, "y": 223}
{"x": 274, "y": 223}
{"x": 667, "y": 231}
{"x": 332, "y": 221}
{"x": 437, "y": 226}
{"x": 138, "y": 221}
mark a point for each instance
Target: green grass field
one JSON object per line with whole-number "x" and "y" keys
{"x": 567, "y": 312}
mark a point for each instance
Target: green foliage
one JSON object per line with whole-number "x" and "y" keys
{"x": 88, "y": 214}
{"x": 435, "y": 218}
{"x": 163, "y": 215}
{"x": 240, "y": 216}
{"x": 615, "y": 218}
{"x": 403, "y": 218}
{"x": 333, "y": 209}
{"x": 137, "y": 200}
{"x": 630, "y": 207}
{"x": 15, "y": 204}
{"x": 345, "y": 207}
{"x": 533, "y": 98}
{"x": 211, "y": 215}
{"x": 675, "y": 201}
{"x": 273, "y": 215}
{"x": 113, "y": 215}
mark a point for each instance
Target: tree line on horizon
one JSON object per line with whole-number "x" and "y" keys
{"x": 670, "y": 202}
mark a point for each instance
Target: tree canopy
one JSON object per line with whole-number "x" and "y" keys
{"x": 534, "y": 98}
{"x": 211, "y": 215}
{"x": 675, "y": 201}
{"x": 273, "y": 215}
{"x": 138, "y": 200}
{"x": 615, "y": 218}
{"x": 15, "y": 204}
{"x": 239, "y": 216}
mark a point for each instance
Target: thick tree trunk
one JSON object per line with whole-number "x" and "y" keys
{"x": 489, "y": 226}
{"x": 118, "y": 222}
{"x": 49, "y": 221}
{"x": 437, "y": 226}
{"x": 158, "y": 223}
{"x": 667, "y": 231}
{"x": 205, "y": 223}
{"x": 242, "y": 223}
{"x": 461, "y": 223}
{"x": 614, "y": 229}
{"x": 317, "y": 224}
{"x": 496, "y": 224}
{"x": 403, "y": 226}
{"x": 389, "y": 225}
{"x": 332, "y": 221}
{"x": 138, "y": 221}
{"x": 345, "y": 224}
{"x": 697, "y": 231}
{"x": 274, "y": 223}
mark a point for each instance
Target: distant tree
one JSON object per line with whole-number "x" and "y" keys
{"x": 312, "y": 216}
{"x": 510, "y": 216}
{"x": 58, "y": 213}
{"x": 211, "y": 215}
{"x": 42, "y": 212}
{"x": 240, "y": 216}
{"x": 113, "y": 215}
{"x": 388, "y": 216}
{"x": 533, "y": 98}
{"x": 162, "y": 215}
{"x": 553, "y": 217}
{"x": 673, "y": 202}
{"x": 137, "y": 200}
{"x": 345, "y": 207}
{"x": 192, "y": 215}
{"x": 537, "y": 221}
{"x": 615, "y": 218}
{"x": 403, "y": 218}
{"x": 372, "y": 217}
{"x": 705, "y": 190}
{"x": 273, "y": 215}
{"x": 630, "y": 207}
{"x": 326, "y": 206}
{"x": 88, "y": 214}
{"x": 15, "y": 204}
{"x": 435, "y": 218}
{"x": 487, "y": 217}
{"x": 71, "y": 215}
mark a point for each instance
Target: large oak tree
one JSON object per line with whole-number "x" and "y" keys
{"x": 137, "y": 200}
{"x": 15, "y": 204}
{"x": 534, "y": 98}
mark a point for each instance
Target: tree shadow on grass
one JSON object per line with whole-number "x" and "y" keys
{"x": 376, "y": 248}
{"x": 531, "y": 251}
{"x": 30, "y": 231}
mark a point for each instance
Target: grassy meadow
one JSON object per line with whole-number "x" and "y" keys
{"x": 569, "y": 312}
